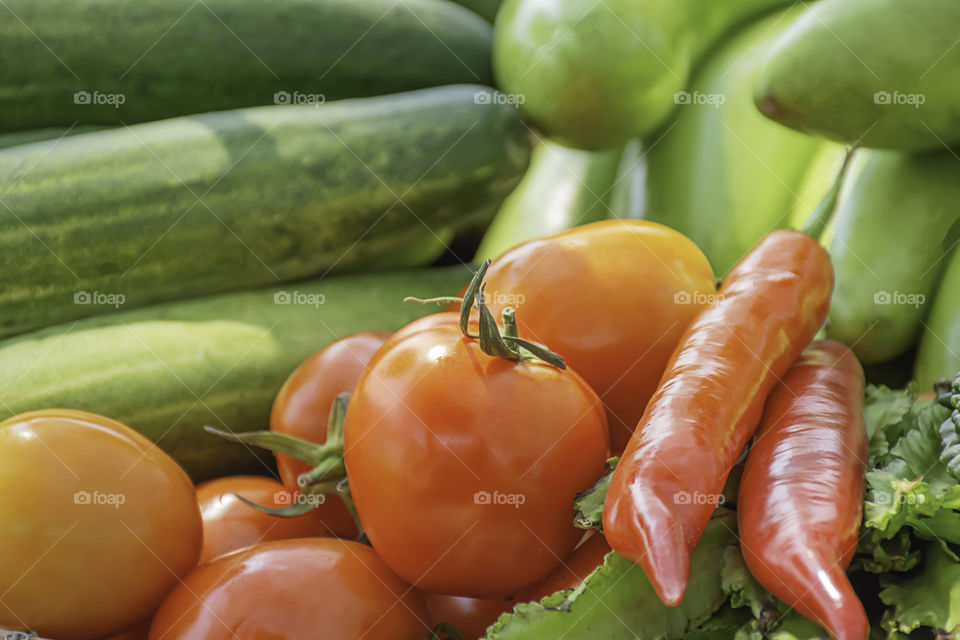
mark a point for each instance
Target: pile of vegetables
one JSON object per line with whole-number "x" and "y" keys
{"x": 479, "y": 319}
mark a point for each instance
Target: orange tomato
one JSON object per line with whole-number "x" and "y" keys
{"x": 302, "y": 407}
{"x": 295, "y": 590}
{"x": 96, "y": 525}
{"x": 611, "y": 297}
{"x": 229, "y": 524}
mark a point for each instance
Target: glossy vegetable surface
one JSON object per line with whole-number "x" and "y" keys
{"x": 96, "y": 526}
{"x": 464, "y": 466}
{"x": 302, "y": 407}
{"x": 295, "y": 590}
{"x": 670, "y": 479}
{"x": 471, "y": 616}
{"x": 572, "y": 571}
{"x": 229, "y": 524}
{"x": 801, "y": 493}
{"x": 612, "y": 298}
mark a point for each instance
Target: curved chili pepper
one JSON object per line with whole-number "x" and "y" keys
{"x": 709, "y": 402}
{"x": 801, "y": 493}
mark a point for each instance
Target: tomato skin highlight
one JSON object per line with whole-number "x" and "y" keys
{"x": 229, "y": 524}
{"x": 668, "y": 481}
{"x": 801, "y": 494}
{"x": 97, "y": 524}
{"x": 296, "y": 590}
{"x": 302, "y": 407}
{"x": 453, "y": 454}
{"x": 613, "y": 298}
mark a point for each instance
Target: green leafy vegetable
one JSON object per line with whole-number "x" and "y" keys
{"x": 589, "y": 503}
{"x": 930, "y": 598}
{"x": 617, "y": 602}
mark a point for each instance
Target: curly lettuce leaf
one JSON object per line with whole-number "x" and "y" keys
{"x": 617, "y": 602}
{"x": 929, "y": 598}
{"x": 589, "y": 503}
{"x": 886, "y": 413}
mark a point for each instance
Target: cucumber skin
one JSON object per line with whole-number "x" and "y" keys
{"x": 168, "y": 370}
{"x": 288, "y": 192}
{"x": 176, "y": 57}
{"x": 888, "y": 237}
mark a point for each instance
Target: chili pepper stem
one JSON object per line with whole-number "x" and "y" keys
{"x": 820, "y": 218}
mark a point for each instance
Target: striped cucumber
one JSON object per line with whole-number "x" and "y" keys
{"x": 167, "y": 370}
{"x": 228, "y": 200}
{"x": 113, "y": 61}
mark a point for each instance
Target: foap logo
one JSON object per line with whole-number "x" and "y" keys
{"x": 696, "y": 297}
{"x": 504, "y": 299}
{"x": 285, "y": 97}
{"x": 497, "y": 97}
{"x": 97, "y": 498}
{"x": 99, "y": 298}
{"x": 285, "y": 498}
{"x": 896, "y": 98}
{"x": 95, "y": 97}
{"x": 697, "y": 497}
{"x": 298, "y": 297}
{"x": 915, "y": 300}
{"x": 497, "y": 498}
{"x": 7, "y": 634}
{"x": 709, "y": 99}
{"x": 887, "y": 499}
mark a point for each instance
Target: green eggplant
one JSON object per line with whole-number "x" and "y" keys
{"x": 888, "y": 248}
{"x": 595, "y": 74}
{"x": 939, "y": 353}
{"x": 719, "y": 172}
{"x": 562, "y": 188}
{"x": 885, "y": 73}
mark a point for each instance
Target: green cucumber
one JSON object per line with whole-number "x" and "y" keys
{"x": 233, "y": 199}
{"x": 939, "y": 353}
{"x": 719, "y": 172}
{"x": 168, "y": 370}
{"x": 889, "y": 249}
{"x": 124, "y": 61}
{"x": 563, "y": 188}
{"x": 40, "y": 135}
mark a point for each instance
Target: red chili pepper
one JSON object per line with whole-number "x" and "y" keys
{"x": 801, "y": 493}
{"x": 709, "y": 403}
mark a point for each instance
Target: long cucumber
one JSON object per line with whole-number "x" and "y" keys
{"x": 233, "y": 199}
{"x": 124, "y": 61}
{"x": 168, "y": 370}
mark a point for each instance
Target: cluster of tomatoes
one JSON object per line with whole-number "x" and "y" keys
{"x": 442, "y": 494}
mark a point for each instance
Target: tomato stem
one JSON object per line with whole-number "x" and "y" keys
{"x": 820, "y": 218}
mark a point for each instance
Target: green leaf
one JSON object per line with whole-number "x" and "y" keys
{"x": 617, "y": 602}
{"x": 589, "y": 504}
{"x": 930, "y": 598}
{"x": 741, "y": 586}
{"x": 722, "y": 625}
{"x": 878, "y": 554}
{"x": 884, "y": 413}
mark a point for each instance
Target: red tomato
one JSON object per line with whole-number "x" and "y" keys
{"x": 571, "y": 571}
{"x": 471, "y": 616}
{"x": 96, "y": 525}
{"x": 464, "y": 466}
{"x": 612, "y": 298}
{"x": 295, "y": 590}
{"x": 229, "y": 524}
{"x": 302, "y": 407}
